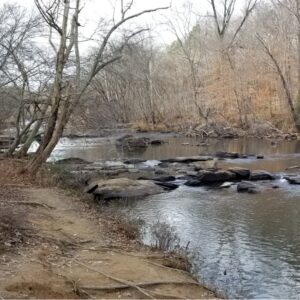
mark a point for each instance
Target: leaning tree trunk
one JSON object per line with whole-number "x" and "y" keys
{"x": 41, "y": 157}
{"x": 30, "y": 139}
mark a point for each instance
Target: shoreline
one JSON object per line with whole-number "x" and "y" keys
{"x": 62, "y": 232}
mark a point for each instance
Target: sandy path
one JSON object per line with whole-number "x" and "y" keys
{"x": 72, "y": 257}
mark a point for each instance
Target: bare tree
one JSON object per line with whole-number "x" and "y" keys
{"x": 67, "y": 92}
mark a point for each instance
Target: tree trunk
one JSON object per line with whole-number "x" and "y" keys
{"x": 41, "y": 157}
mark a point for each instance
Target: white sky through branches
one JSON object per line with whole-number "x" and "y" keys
{"x": 94, "y": 10}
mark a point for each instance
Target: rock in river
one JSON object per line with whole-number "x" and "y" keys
{"x": 222, "y": 154}
{"x": 123, "y": 188}
{"x": 261, "y": 175}
{"x": 246, "y": 187}
{"x": 210, "y": 177}
{"x": 131, "y": 142}
{"x": 293, "y": 179}
{"x": 72, "y": 161}
{"x": 186, "y": 160}
{"x": 241, "y": 173}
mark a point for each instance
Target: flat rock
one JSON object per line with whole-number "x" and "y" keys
{"x": 123, "y": 188}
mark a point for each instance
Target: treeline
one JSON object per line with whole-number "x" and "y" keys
{"x": 239, "y": 68}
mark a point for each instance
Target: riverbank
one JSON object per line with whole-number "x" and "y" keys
{"x": 56, "y": 245}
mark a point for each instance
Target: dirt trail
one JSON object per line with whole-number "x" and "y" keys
{"x": 73, "y": 256}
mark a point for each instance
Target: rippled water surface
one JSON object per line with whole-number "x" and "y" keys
{"x": 248, "y": 245}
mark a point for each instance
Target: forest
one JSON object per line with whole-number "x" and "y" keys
{"x": 232, "y": 71}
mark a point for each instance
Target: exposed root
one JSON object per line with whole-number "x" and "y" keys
{"x": 145, "y": 293}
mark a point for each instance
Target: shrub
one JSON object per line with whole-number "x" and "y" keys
{"x": 164, "y": 237}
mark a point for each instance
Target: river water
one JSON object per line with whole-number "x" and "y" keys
{"x": 247, "y": 245}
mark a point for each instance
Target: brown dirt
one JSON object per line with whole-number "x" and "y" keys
{"x": 68, "y": 251}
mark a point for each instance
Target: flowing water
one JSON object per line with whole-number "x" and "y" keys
{"x": 248, "y": 245}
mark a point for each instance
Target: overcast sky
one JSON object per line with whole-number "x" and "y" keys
{"x": 95, "y": 9}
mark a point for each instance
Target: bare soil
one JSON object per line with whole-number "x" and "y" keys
{"x": 60, "y": 247}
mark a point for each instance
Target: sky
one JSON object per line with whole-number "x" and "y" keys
{"x": 95, "y": 9}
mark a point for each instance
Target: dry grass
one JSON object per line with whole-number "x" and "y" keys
{"x": 142, "y": 126}
{"x": 122, "y": 225}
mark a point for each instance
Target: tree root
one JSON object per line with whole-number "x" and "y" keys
{"x": 165, "y": 267}
{"x": 141, "y": 290}
{"x": 33, "y": 204}
{"x": 139, "y": 284}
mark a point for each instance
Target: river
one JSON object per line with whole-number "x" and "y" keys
{"x": 247, "y": 245}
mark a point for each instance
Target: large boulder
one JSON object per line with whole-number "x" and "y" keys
{"x": 214, "y": 177}
{"x": 123, "y": 188}
{"x": 210, "y": 177}
{"x": 261, "y": 175}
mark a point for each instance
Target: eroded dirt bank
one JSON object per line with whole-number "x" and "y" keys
{"x": 61, "y": 248}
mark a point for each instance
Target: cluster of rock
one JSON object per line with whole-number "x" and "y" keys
{"x": 136, "y": 178}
